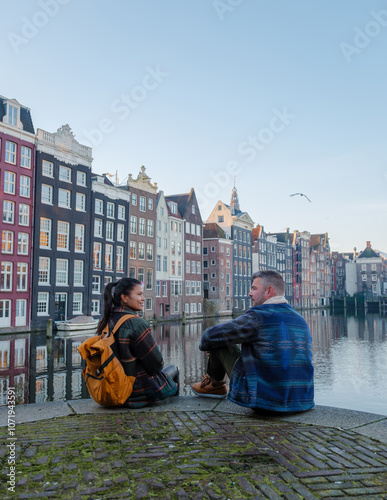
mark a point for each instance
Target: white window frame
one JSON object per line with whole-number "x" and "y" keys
{"x": 24, "y": 214}
{"x": 80, "y": 202}
{"x": 64, "y": 198}
{"x": 25, "y": 186}
{"x": 23, "y": 243}
{"x": 81, "y": 178}
{"x": 44, "y": 271}
{"x": 22, "y": 277}
{"x": 10, "y": 152}
{"x": 7, "y": 239}
{"x": 46, "y": 195}
{"x": 62, "y": 272}
{"x": 78, "y": 272}
{"x": 77, "y": 302}
{"x": 42, "y": 305}
{"x": 120, "y": 259}
{"x": 63, "y": 235}
{"x": 64, "y": 173}
{"x": 9, "y": 182}
{"x": 47, "y": 168}
{"x": 79, "y": 238}
{"x": 8, "y": 212}
{"x": 110, "y": 209}
{"x": 6, "y": 276}
{"x": 25, "y": 157}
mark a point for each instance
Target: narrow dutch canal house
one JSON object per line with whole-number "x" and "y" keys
{"x": 62, "y": 237}
{"x": 238, "y": 226}
{"x": 17, "y": 152}
{"x": 186, "y": 206}
{"x": 142, "y": 235}
{"x": 110, "y": 215}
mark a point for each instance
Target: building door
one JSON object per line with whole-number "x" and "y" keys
{"x": 60, "y": 306}
{"x": 5, "y": 313}
{"x": 21, "y": 312}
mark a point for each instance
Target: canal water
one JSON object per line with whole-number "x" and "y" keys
{"x": 350, "y": 360}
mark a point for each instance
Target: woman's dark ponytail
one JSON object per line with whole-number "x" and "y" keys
{"x": 112, "y": 298}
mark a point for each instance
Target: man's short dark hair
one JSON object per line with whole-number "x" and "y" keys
{"x": 271, "y": 278}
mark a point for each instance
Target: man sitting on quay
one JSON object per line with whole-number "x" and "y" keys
{"x": 272, "y": 370}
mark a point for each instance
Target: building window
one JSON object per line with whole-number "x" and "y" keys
{"x": 8, "y": 212}
{"x": 44, "y": 271}
{"x": 193, "y": 209}
{"x": 64, "y": 174}
{"x": 110, "y": 209}
{"x": 79, "y": 238}
{"x": 141, "y": 251}
{"x": 164, "y": 288}
{"x": 80, "y": 202}
{"x": 120, "y": 259}
{"x": 12, "y": 115}
{"x": 142, "y": 204}
{"x": 25, "y": 186}
{"x": 22, "y": 277}
{"x": 95, "y": 307}
{"x": 25, "y": 160}
{"x": 45, "y": 233}
{"x": 132, "y": 272}
{"x": 220, "y": 218}
{"x": 42, "y": 308}
{"x": 133, "y": 224}
{"x": 9, "y": 182}
{"x": 374, "y": 278}
{"x": 81, "y": 178}
{"x": 23, "y": 240}
{"x": 141, "y": 274}
{"x": 364, "y": 277}
{"x": 110, "y": 231}
{"x": 10, "y": 152}
{"x": 120, "y": 232}
{"x": 98, "y": 206}
{"x": 46, "y": 194}
{"x": 134, "y": 199}
{"x": 47, "y": 168}
{"x": 141, "y": 227}
{"x": 64, "y": 198}
{"x": 24, "y": 214}
{"x": 97, "y": 250}
{"x": 165, "y": 264}
{"x": 149, "y": 279}
{"x": 150, "y": 228}
{"x": 62, "y": 267}
{"x": 109, "y": 257}
{"x": 132, "y": 250}
{"x": 6, "y": 276}
{"x": 98, "y": 228}
{"x": 150, "y": 203}
{"x": 77, "y": 303}
{"x": 62, "y": 238}
{"x": 158, "y": 262}
{"x": 78, "y": 272}
{"x": 149, "y": 252}
{"x": 7, "y": 242}
{"x": 158, "y": 288}
{"x": 121, "y": 212}
{"x": 96, "y": 284}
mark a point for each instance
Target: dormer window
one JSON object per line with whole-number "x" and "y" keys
{"x": 12, "y": 113}
{"x": 173, "y": 207}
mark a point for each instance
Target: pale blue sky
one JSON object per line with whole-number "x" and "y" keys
{"x": 186, "y": 87}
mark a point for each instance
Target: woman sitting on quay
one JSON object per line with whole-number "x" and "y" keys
{"x": 137, "y": 349}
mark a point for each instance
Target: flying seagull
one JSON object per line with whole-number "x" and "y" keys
{"x": 301, "y": 194}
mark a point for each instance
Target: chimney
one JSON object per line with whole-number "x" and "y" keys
{"x": 368, "y": 244}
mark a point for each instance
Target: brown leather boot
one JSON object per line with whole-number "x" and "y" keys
{"x": 209, "y": 388}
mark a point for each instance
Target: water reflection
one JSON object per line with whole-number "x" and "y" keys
{"x": 349, "y": 356}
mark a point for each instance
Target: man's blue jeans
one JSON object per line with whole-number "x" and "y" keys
{"x": 222, "y": 361}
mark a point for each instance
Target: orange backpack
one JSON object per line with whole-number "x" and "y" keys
{"x": 104, "y": 374}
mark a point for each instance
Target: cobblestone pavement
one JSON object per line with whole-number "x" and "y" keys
{"x": 191, "y": 454}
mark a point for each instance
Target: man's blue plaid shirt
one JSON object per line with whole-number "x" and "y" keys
{"x": 275, "y": 370}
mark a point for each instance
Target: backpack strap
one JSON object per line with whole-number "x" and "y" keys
{"x": 121, "y": 321}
